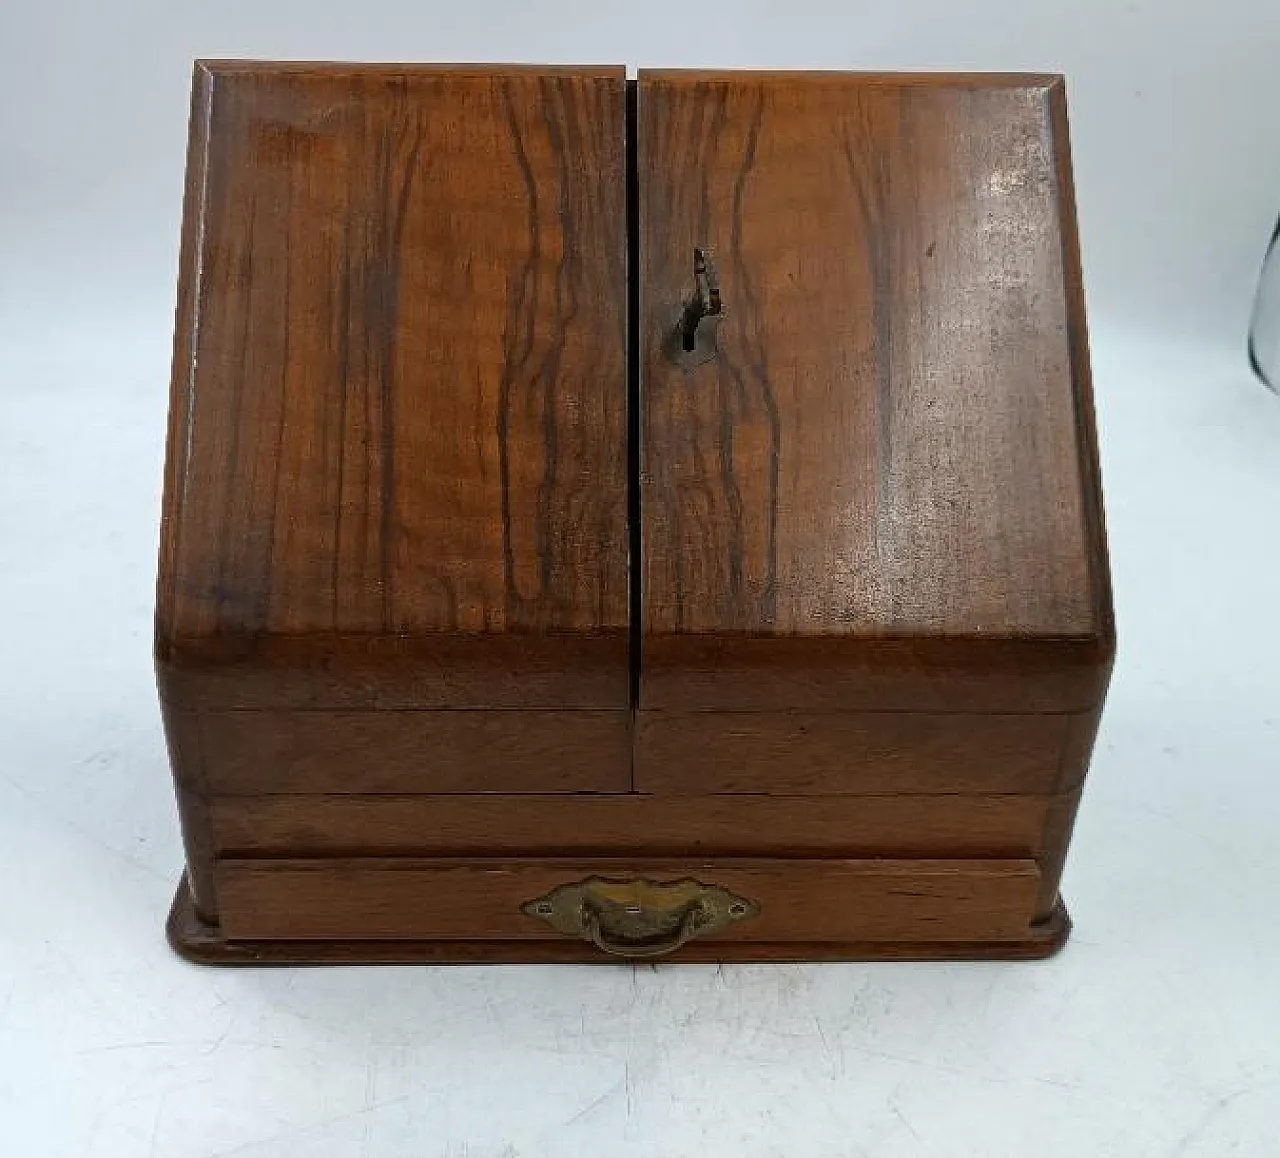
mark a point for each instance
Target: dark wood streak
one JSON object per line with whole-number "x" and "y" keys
{"x": 891, "y": 438}
{"x": 383, "y": 286}
{"x": 343, "y": 327}
{"x": 264, "y": 592}
{"x": 408, "y": 427}
{"x": 755, "y": 353}
{"x": 869, "y": 181}
{"x": 517, "y": 339}
{"x": 547, "y": 375}
{"x": 731, "y": 394}
{"x": 222, "y": 592}
{"x": 692, "y": 507}
{"x": 888, "y": 450}
{"x": 710, "y": 419}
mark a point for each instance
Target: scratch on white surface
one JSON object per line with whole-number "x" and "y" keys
{"x": 309, "y": 1127}
{"x": 1223, "y": 860}
{"x": 155, "y": 1125}
{"x": 1207, "y": 1119}
{"x": 960, "y": 1072}
{"x": 836, "y": 1055}
{"x": 123, "y": 1045}
{"x": 491, "y": 1007}
{"x": 220, "y": 1040}
{"x": 608, "y": 1095}
{"x": 897, "y": 1113}
{"x": 90, "y": 991}
{"x": 83, "y": 833}
{"x": 1058, "y": 1083}
{"x": 370, "y": 1100}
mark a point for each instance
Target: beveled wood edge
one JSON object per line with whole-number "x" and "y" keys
{"x": 201, "y": 943}
{"x": 940, "y": 78}
{"x": 182, "y": 362}
{"x": 1048, "y": 674}
{"x": 1082, "y": 371}
{"x": 216, "y": 66}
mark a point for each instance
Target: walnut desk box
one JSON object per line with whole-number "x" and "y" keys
{"x": 613, "y": 519}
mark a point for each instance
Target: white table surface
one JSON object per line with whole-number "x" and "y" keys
{"x": 1157, "y": 1030}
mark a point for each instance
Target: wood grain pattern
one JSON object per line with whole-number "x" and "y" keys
{"x": 851, "y": 753}
{"x": 632, "y": 825}
{"x": 895, "y": 440}
{"x": 399, "y": 393}
{"x": 710, "y": 673}
{"x": 182, "y": 736}
{"x": 808, "y": 900}
{"x": 1055, "y": 842}
{"x": 249, "y": 753}
{"x": 873, "y": 632}
{"x": 203, "y": 943}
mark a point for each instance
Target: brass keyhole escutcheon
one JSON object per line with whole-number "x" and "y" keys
{"x": 639, "y": 918}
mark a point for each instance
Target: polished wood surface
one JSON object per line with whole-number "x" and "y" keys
{"x": 894, "y": 439}
{"x": 247, "y": 753}
{"x": 710, "y": 673}
{"x": 849, "y": 753}
{"x": 399, "y": 394}
{"x": 832, "y": 631}
{"x": 801, "y": 900}
{"x": 194, "y": 808}
{"x": 899, "y": 825}
{"x": 399, "y": 673}
{"x": 203, "y": 943}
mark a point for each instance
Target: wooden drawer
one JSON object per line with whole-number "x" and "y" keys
{"x": 794, "y": 901}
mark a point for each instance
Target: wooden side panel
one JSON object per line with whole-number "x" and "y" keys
{"x": 796, "y": 753}
{"x": 893, "y": 441}
{"x": 808, "y": 901}
{"x": 632, "y": 825}
{"x": 1060, "y": 820}
{"x": 182, "y": 738}
{"x": 399, "y": 391}
{"x": 247, "y": 753}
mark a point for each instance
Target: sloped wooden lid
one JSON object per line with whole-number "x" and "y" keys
{"x": 397, "y": 458}
{"x": 882, "y": 491}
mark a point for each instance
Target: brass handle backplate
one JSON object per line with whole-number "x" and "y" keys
{"x": 639, "y": 917}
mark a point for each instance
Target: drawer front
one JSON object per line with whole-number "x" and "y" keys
{"x": 780, "y": 901}
{"x": 849, "y": 753}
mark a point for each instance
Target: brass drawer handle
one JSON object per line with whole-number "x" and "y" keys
{"x": 639, "y": 917}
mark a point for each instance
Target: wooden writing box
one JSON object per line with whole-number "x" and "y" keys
{"x": 608, "y": 520}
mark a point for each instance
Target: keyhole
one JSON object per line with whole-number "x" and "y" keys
{"x": 689, "y": 326}
{"x": 705, "y": 300}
